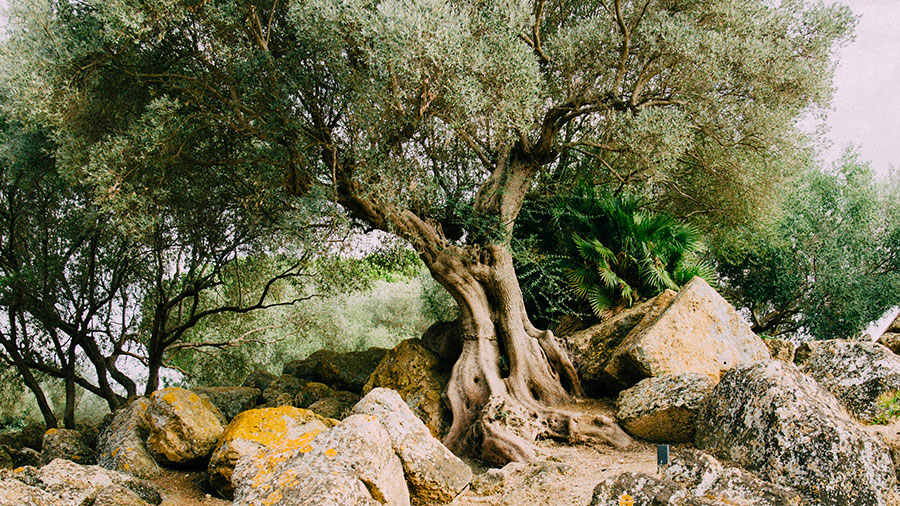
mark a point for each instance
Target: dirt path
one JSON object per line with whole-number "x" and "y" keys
{"x": 186, "y": 488}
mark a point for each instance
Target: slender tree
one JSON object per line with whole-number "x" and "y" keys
{"x": 431, "y": 120}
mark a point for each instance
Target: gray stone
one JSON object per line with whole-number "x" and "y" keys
{"x": 259, "y": 379}
{"x": 663, "y": 409}
{"x": 231, "y": 400}
{"x": 857, "y": 373}
{"x": 121, "y": 445}
{"x": 117, "y": 495}
{"x": 891, "y": 341}
{"x": 353, "y": 463}
{"x": 341, "y": 371}
{"x": 698, "y": 332}
{"x": 434, "y": 473}
{"x": 16, "y": 493}
{"x": 66, "y": 444}
{"x": 780, "y": 349}
{"x": 773, "y": 420}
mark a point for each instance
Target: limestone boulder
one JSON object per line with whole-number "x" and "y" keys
{"x": 592, "y": 348}
{"x": 79, "y": 485}
{"x": 773, "y": 420}
{"x": 780, "y": 349}
{"x": 342, "y": 371}
{"x": 121, "y": 444}
{"x": 289, "y": 390}
{"x": 253, "y": 430}
{"x": 415, "y": 373}
{"x": 443, "y": 339}
{"x": 66, "y": 444}
{"x": 118, "y": 496}
{"x": 663, "y": 409}
{"x": 434, "y": 473}
{"x": 891, "y": 341}
{"x": 230, "y": 400}
{"x": 32, "y": 436}
{"x": 694, "y": 479}
{"x": 890, "y": 435}
{"x": 6, "y": 461}
{"x": 16, "y": 493}
{"x": 857, "y": 373}
{"x": 353, "y": 463}
{"x": 337, "y": 407}
{"x": 259, "y": 379}
{"x": 698, "y": 332}
{"x": 184, "y": 427}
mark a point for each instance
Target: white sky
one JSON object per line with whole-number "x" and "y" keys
{"x": 866, "y": 107}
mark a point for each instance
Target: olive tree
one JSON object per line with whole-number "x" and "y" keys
{"x": 431, "y": 120}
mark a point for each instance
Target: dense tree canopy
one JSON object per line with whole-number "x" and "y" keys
{"x": 431, "y": 120}
{"x": 828, "y": 266}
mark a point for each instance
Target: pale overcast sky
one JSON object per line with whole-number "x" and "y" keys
{"x": 866, "y": 107}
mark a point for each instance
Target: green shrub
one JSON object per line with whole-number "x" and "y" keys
{"x": 888, "y": 407}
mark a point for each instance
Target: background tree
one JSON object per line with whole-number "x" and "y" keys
{"x": 432, "y": 120}
{"x": 828, "y": 266}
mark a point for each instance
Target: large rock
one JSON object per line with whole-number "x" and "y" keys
{"x": 230, "y": 400}
{"x": 6, "y": 461}
{"x": 890, "y": 435}
{"x": 780, "y": 349}
{"x": 118, "y": 496}
{"x": 78, "y": 485}
{"x": 699, "y": 332}
{"x": 857, "y": 373}
{"x": 66, "y": 444}
{"x": 16, "y": 493}
{"x": 259, "y": 379}
{"x": 592, "y": 348}
{"x": 772, "y": 419}
{"x": 184, "y": 427}
{"x": 434, "y": 474}
{"x": 415, "y": 373}
{"x": 342, "y": 371}
{"x": 664, "y": 409}
{"x": 121, "y": 445}
{"x": 289, "y": 390}
{"x": 443, "y": 339}
{"x": 891, "y": 336}
{"x": 694, "y": 479}
{"x": 353, "y": 463}
{"x": 253, "y": 430}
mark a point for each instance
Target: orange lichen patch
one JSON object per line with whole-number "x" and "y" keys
{"x": 51, "y": 432}
{"x": 267, "y": 426}
{"x": 331, "y": 452}
{"x": 114, "y": 452}
{"x": 268, "y": 459}
{"x": 18, "y": 469}
{"x": 273, "y": 498}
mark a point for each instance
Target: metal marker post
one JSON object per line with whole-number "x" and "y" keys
{"x": 662, "y": 457}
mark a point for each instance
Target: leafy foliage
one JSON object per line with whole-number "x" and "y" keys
{"x": 888, "y": 408}
{"x": 830, "y": 263}
{"x": 609, "y": 249}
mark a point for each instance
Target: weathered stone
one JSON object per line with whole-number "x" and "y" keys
{"x": 16, "y": 493}
{"x": 353, "y": 463}
{"x": 342, "y": 371}
{"x": 494, "y": 480}
{"x": 25, "y": 457}
{"x": 66, "y": 444}
{"x": 415, "y": 373}
{"x": 6, "y": 461}
{"x": 663, "y": 409}
{"x": 116, "y": 495}
{"x": 283, "y": 390}
{"x": 434, "y": 474}
{"x": 891, "y": 341}
{"x": 300, "y": 393}
{"x": 253, "y": 430}
{"x": 857, "y": 373}
{"x": 802, "y": 353}
{"x": 443, "y": 339}
{"x": 77, "y": 485}
{"x": 184, "y": 427}
{"x": 592, "y": 348}
{"x": 694, "y": 479}
{"x": 121, "y": 445}
{"x": 334, "y": 407}
{"x": 699, "y": 332}
{"x": 230, "y": 400}
{"x": 890, "y": 435}
{"x": 780, "y": 349}
{"x": 259, "y": 379}
{"x": 32, "y": 436}
{"x": 773, "y": 420}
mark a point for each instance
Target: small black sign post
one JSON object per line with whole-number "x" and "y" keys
{"x": 662, "y": 457}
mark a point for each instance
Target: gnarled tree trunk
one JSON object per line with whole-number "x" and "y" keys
{"x": 510, "y": 376}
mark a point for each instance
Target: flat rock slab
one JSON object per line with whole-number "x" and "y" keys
{"x": 772, "y": 419}
{"x": 698, "y": 332}
{"x": 663, "y": 409}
